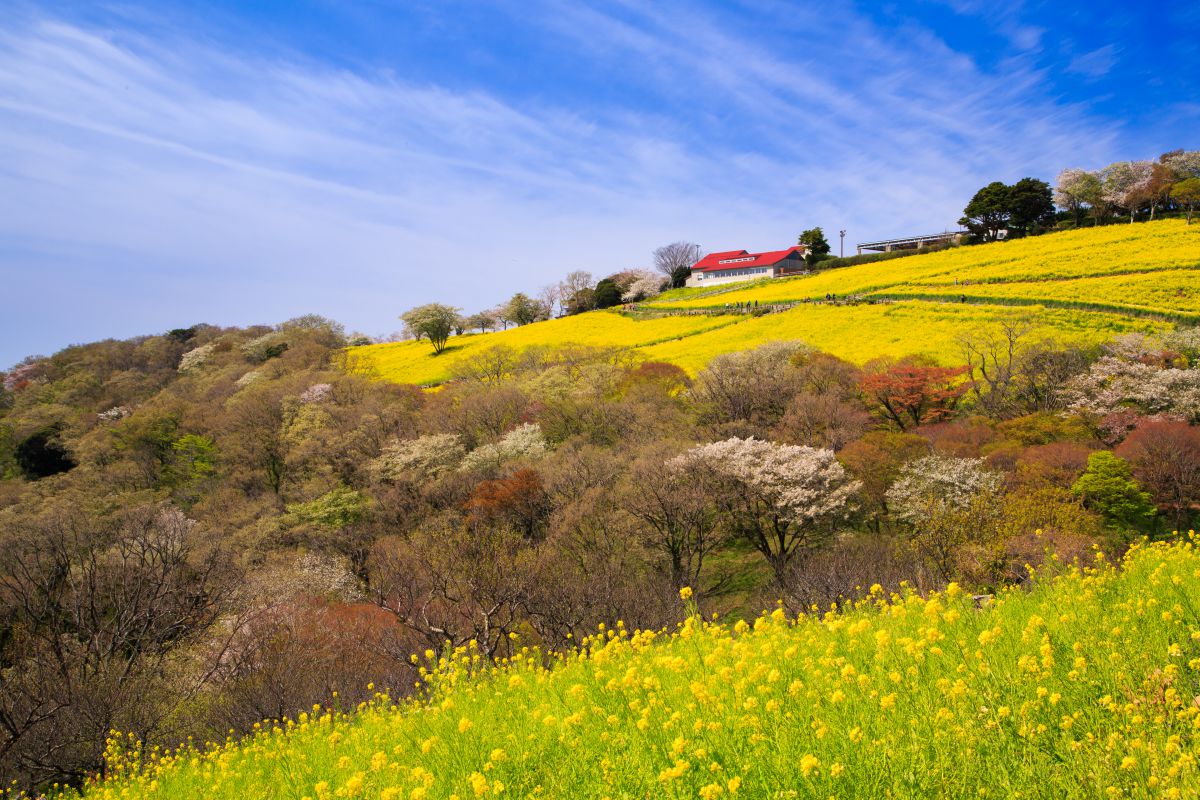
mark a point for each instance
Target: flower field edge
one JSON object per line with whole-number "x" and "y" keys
{"x": 1084, "y": 684}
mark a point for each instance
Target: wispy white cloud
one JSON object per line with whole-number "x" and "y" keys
{"x": 1095, "y": 63}
{"x": 151, "y": 182}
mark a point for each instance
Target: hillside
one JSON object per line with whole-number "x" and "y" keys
{"x": 1080, "y": 687}
{"x": 1085, "y": 286}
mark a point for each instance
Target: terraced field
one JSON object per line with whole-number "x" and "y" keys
{"x": 1147, "y": 249}
{"x": 1084, "y": 286}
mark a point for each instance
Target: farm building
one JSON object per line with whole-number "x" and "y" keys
{"x": 739, "y": 265}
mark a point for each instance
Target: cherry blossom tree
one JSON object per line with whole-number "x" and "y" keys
{"x": 1128, "y": 184}
{"x": 781, "y": 498}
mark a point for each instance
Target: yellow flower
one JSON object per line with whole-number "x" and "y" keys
{"x": 809, "y": 764}
{"x": 836, "y": 769}
{"x": 685, "y": 593}
{"x": 465, "y": 725}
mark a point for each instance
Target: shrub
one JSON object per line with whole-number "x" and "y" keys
{"x": 1108, "y": 487}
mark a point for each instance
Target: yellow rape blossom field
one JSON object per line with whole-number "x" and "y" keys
{"x": 1082, "y": 286}
{"x": 414, "y": 362}
{"x": 1082, "y": 684}
{"x": 1167, "y": 245}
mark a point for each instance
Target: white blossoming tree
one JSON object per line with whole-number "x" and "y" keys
{"x": 197, "y": 357}
{"x": 646, "y": 285}
{"x": 426, "y": 457}
{"x": 781, "y": 498}
{"x": 524, "y": 442}
{"x": 1114, "y": 384}
{"x": 939, "y": 482}
{"x": 949, "y": 502}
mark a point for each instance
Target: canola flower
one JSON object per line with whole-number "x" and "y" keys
{"x": 1086, "y": 252}
{"x": 1084, "y": 684}
{"x": 860, "y": 333}
{"x": 1168, "y": 292}
{"x": 415, "y": 362}
{"x": 1101, "y": 279}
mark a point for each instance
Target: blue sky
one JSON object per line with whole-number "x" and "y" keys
{"x": 165, "y": 163}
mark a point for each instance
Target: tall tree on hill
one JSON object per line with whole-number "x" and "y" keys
{"x": 815, "y": 245}
{"x": 1030, "y": 205}
{"x": 1183, "y": 164}
{"x": 675, "y": 260}
{"x": 1187, "y": 194}
{"x": 608, "y": 293}
{"x": 433, "y": 321}
{"x": 1077, "y": 189}
{"x": 989, "y": 211}
{"x": 577, "y": 293}
{"x": 523, "y": 309}
{"x": 1128, "y": 185}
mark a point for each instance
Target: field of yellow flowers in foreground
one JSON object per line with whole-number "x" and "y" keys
{"x": 1084, "y": 685}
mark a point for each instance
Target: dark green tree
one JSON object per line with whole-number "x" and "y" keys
{"x": 679, "y": 276}
{"x": 608, "y": 293}
{"x": 816, "y": 246}
{"x": 1030, "y": 205}
{"x": 989, "y": 211}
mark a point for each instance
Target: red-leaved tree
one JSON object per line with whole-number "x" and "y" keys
{"x": 912, "y": 391}
{"x": 1165, "y": 455}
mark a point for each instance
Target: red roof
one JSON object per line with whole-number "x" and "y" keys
{"x": 739, "y": 259}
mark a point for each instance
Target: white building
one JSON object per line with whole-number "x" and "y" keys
{"x": 739, "y": 265}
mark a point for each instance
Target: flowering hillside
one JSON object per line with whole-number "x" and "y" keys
{"x": 1165, "y": 246}
{"x": 1083, "y": 686}
{"x": 1085, "y": 286}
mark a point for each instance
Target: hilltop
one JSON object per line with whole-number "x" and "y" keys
{"x": 1085, "y": 286}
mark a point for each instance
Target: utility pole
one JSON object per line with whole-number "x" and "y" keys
{"x": 842, "y": 244}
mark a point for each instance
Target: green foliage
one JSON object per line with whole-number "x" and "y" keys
{"x": 1187, "y": 194}
{"x": 194, "y": 459}
{"x": 433, "y": 321}
{"x": 522, "y": 309}
{"x": 1030, "y": 205}
{"x": 866, "y": 258}
{"x": 816, "y": 245}
{"x": 1043, "y": 428}
{"x": 1109, "y": 488}
{"x": 679, "y": 276}
{"x": 988, "y": 212}
{"x": 8, "y": 456}
{"x": 608, "y": 294}
{"x": 337, "y": 509}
